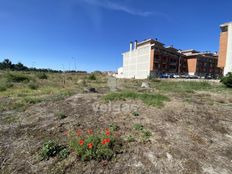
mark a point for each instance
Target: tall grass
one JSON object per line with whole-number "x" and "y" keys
{"x": 17, "y": 77}
{"x": 4, "y": 85}
{"x": 149, "y": 99}
{"x": 181, "y": 86}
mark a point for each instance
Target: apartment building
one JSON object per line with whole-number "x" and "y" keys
{"x": 150, "y": 57}
{"x": 167, "y": 60}
{"x": 225, "y": 48}
{"x": 202, "y": 63}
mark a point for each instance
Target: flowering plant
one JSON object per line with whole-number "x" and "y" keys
{"x": 92, "y": 145}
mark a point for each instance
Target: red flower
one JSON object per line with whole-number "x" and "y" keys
{"x": 107, "y": 129}
{"x": 107, "y": 140}
{"x": 108, "y": 133}
{"x": 90, "y": 131}
{"x": 104, "y": 142}
{"x": 78, "y": 132}
{"x": 81, "y": 142}
{"x": 90, "y": 145}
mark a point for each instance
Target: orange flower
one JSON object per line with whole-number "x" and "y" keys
{"x": 78, "y": 132}
{"x": 90, "y": 145}
{"x": 107, "y": 129}
{"x": 90, "y": 131}
{"x": 108, "y": 133}
{"x": 81, "y": 142}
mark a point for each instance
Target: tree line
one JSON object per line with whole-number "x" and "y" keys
{"x": 6, "y": 64}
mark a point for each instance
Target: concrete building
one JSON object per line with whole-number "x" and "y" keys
{"x": 225, "y": 48}
{"x": 136, "y": 62}
{"x": 150, "y": 57}
{"x": 202, "y": 63}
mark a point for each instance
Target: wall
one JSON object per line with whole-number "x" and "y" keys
{"x": 192, "y": 63}
{"x": 136, "y": 63}
{"x": 228, "y": 67}
{"x": 223, "y": 49}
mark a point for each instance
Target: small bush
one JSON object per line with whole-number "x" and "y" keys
{"x": 92, "y": 77}
{"x": 42, "y": 76}
{"x": 130, "y": 138}
{"x": 61, "y": 115}
{"x": 64, "y": 153}
{"x": 49, "y": 149}
{"x": 98, "y": 146}
{"x": 4, "y": 85}
{"x": 2, "y": 88}
{"x": 17, "y": 78}
{"x": 138, "y": 127}
{"x": 227, "y": 80}
{"x": 114, "y": 127}
{"x": 135, "y": 113}
{"x": 146, "y": 134}
{"x": 33, "y": 86}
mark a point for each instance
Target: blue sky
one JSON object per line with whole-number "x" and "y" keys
{"x": 56, "y": 33}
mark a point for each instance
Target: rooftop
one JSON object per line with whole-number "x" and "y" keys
{"x": 151, "y": 41}
{"x": 226, "y": 24}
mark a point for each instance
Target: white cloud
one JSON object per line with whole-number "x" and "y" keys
{"x": 108, "y": 4}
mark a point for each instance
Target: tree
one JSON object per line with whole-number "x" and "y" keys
{"x": 227, "y": 80}
{"x": 6, "y": 64}
{"x": 20, "y": 67}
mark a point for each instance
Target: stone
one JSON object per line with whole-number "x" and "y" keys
{"x": 145, "y": 85}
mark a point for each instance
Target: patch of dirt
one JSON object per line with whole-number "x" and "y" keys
{"x": 186, "y": 137}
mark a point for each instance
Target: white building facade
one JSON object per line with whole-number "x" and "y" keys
{"x": 136, "y": 62}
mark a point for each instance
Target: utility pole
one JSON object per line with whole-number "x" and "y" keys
{"x": 179, "y": 64}
{"x": 75, "y": 66}
{"x": 63, "y": 74}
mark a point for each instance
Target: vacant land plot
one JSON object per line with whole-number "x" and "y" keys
{"x": 171, "y": 127}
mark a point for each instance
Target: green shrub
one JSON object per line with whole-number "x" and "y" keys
{"x": 138, "y": 127}
{"x": 4, "y": 85}
{"x": 61, "y": 115}
{"x": 17, "y": 77}
{"x": 33, "y": 85}
{"x": 42, "y": 76}
{"x": 92, "y": 77}
{"x": 135, "y": 113}
{"x": 64, "y": 153}
{"x": 114, "y": 127}
{"x": 227, "y": 80}
{"x": 49, "y": 149}
{"x": 130, "y": 138}
{"x": 146, "y": 134}
{"x": 2, "y": 88}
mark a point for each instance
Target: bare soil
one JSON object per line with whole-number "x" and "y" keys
{"x": 193, "y": 136}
